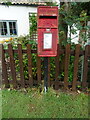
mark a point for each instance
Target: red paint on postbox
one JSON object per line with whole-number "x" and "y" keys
{"x": 47, "y": 28}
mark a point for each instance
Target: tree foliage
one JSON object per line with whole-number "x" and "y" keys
{"x": 75, "y": 16}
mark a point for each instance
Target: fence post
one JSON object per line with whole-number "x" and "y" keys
{"x": 12, "y": 65}
{"x": 66, "y": 65}
{"x": 0, "y": 65}
{"x": 20, "y": 56}
{"x": 85, "y": 70}
{"x": 38, "y": 70}
{"x": 76, "y": 61}
{"x": 29, "y": 65}
{"x": 4, "y": 69}
{"x": 57, "y": 68}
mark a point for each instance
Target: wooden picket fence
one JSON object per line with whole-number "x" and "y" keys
{"x": 9, "y": 77}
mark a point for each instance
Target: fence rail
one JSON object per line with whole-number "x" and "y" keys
{"x": 34, "y": 71}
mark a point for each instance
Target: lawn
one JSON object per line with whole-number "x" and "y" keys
{"x": 31, "y": 103}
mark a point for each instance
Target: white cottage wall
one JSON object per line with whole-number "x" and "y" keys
{"x": 19, "y": 13}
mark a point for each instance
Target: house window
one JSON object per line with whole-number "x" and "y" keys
{"x": 8, "y": 28}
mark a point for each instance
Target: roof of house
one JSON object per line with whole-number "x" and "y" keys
{"x": 21, "y": 2}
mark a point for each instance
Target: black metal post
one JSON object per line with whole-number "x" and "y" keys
{"x": 45, "y": 74}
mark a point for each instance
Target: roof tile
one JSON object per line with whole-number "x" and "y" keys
{"x": 29, "y": 2}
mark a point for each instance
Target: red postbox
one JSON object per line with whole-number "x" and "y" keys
{"x": 47, "y": 31}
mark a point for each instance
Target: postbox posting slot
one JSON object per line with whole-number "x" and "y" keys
{"x": 47, "y": 17}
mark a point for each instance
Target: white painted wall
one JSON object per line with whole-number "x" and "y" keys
{"x": 74, "y": 37}
{"x": 19, "y": 13}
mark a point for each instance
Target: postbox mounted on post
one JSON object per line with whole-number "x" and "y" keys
{"x": 47, "y": 31}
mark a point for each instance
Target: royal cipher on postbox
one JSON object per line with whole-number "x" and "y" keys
{"x": 47, "y": 28}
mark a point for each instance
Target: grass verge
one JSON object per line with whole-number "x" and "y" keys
{"x": 31, "y": 103}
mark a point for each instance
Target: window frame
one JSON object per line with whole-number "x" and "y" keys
{"x": 8, "y": 28}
